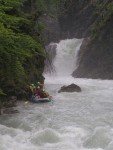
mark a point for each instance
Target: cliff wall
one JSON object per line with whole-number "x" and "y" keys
{"x": 91, "y": 20}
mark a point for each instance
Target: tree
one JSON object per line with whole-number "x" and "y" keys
{"x": 17, "y": 44}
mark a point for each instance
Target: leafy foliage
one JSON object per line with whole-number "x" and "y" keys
{"x": 49, "y": 6}
{"x": 1, "y": 93}
{"x": 21, "y": 51}
{"x": 16, "y": 44}
{"x": 104, "y": 10}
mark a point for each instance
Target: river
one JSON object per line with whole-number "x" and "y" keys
{"x": 72, "y": 121}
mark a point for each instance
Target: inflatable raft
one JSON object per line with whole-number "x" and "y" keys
{"x": 40, "y": 100}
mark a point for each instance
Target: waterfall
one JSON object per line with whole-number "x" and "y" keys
{"x": 51, "y": 53}
{"x": 65, "y": 61}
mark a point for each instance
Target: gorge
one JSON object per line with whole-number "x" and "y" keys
{"x": 91, "y": 20}
{"x": 80, "y": 120}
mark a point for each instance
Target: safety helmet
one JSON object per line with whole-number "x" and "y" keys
{"x": 34, "y": 86}
{"x": 43, "y": 90}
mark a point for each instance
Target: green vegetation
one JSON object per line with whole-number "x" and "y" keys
{"x": 18, "y": 45}
{"x": 50, "y": 6}
{"x": 22, "y": 53}
{"x": 104, "y": 10}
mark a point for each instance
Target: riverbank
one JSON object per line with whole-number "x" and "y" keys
{"x": 10, "y": 106}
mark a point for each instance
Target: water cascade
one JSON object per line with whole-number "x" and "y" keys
{"x": 65, "y": 61}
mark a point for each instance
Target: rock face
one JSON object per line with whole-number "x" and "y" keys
{"x": 8, "y": 106}
{"x": 96, "y": 56}
{"x": 92, "y": 20}
{"x": 52, "y": 30}
{"x": 70, "y": 88}
{"x": 77, "y": 19}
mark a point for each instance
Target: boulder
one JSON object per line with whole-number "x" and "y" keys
{"x": 70, "y": 88}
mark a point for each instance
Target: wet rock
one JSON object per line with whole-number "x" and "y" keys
{"x": 9, "y": 111}
{"x": 52, "y": 32}
{"x": 0, "y": 111}
{"x": 12, "y": 102}
{"x": 70, "y": 88}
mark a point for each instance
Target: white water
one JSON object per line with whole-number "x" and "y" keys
{"x": 66, "y": 58}
{"x": 73, "y": 121}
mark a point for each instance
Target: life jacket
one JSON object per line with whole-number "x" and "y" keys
{"x": 32, "y": 89}
{"x": 47, "y": 94}
{"x": 39, "y": 91}
{"x": 37, "y": 96}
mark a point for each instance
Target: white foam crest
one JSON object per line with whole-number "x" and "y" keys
{"x": 11, "y": 139}
{"x": 110, "y": 145}
{"x": 74, "y": 135}
{"x": 68, "y": 138}
{"x": 45, "y": 136}
{"x": 101, "y": 137}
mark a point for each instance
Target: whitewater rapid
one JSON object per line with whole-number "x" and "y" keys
{"x": 72, "y": 121}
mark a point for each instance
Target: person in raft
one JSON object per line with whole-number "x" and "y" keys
{"x": 32, "y": 90}
{"x": 39, "y": 92}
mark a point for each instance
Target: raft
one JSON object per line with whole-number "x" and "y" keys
{"x": 40, "y": 100}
